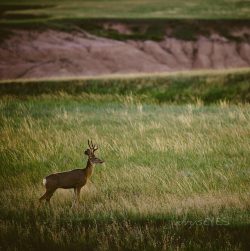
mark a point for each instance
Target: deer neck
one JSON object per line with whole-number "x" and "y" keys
{"x": 89, "y": 168}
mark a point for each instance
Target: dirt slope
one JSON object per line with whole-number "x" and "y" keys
{"x": 30, "y": 54}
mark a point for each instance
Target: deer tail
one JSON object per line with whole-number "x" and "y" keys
{"x": 44, "y": 181}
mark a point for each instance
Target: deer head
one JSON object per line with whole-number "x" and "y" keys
{"x": 90, "y": 152}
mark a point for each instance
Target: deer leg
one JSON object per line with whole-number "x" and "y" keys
{"x": 44, "y": 196}
{"x": 78, "y": 190}
{"x": 74, "y": 198}
{"x": 47, "y": 195}
{"x": 50, "y": 194}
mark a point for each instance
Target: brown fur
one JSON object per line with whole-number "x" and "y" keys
{"x": 75, "y": 179}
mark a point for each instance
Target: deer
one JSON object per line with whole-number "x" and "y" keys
{"x": 75, "y": 179}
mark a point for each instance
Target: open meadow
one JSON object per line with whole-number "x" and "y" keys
{"x": 184, "y": 19}
{"x": 155, "y": 85}
{"x": 208, "y": 9}
{"x": 176, "y": 174}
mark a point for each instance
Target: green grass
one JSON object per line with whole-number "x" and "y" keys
{"x": 139, "y": 29}
{"x": 175, "y": 176}
{"x": 146, "y": 19}
{"x": 197, "y": 9}
{"x": 203, "y": 86}
{"x": 176, "y": 146}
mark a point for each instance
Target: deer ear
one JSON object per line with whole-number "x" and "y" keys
{"x": 87, "y": 152}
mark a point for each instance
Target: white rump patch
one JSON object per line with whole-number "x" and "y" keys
{"x": 44, "y": 182}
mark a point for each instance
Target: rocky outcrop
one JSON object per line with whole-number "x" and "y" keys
{"x": 29, "y": 54}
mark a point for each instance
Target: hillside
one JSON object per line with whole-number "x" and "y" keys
{"x": 91, "y": 38}
{"x": 54, "y": 53}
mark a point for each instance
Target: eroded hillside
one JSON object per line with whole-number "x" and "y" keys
{"x": 53, "y": 53}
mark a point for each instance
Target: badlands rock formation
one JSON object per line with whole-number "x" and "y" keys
{"x": 30, "y": 54}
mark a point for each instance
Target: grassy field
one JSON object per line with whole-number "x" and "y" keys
{"x": 208, "y": 9}
{"x": 146, "y": 19}
{"x": 207, "y": 87}
{"x": 176, "y": 176}
{"x": 176, "y": 146}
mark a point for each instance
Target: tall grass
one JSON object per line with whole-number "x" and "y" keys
{"x": 175, "y": 176}
{"x": 232, "y": 85}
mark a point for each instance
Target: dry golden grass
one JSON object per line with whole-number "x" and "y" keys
{"x": 167, "y": 162}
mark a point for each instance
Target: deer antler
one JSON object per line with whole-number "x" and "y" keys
{"x": 95, "y": 148}
{"x": 92, "y": 147}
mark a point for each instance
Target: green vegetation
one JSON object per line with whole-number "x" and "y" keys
{"x": 145, "y": 19}
{"x": 176, "y": 146}
{"x": 204, "y": 86}
{"x": 175, "y": 176}
{"x": 138, "y": 29}
{"x": 197, "y": 9}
